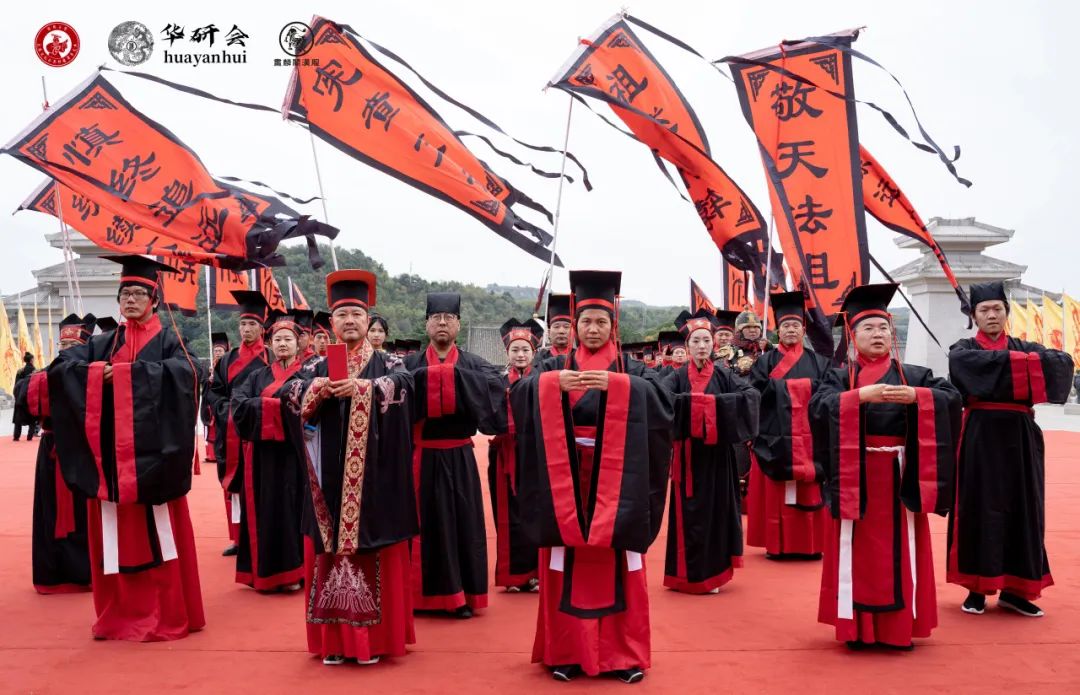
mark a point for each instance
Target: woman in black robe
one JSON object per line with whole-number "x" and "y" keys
{"x": 271, "y": 550}
{"x": 713, "y": 410}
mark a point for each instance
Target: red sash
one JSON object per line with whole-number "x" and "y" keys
{"x": 790, "y": 357}
{"x": 441, "y": 399}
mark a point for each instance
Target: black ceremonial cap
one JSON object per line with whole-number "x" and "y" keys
{"x": 381, "y": 320}
{"x": 988, "y": 292}
{"x": 74, "y": 327}
{"x": 726, "y": 319}
{"x": 253, "y": 305}
{"x": 107, "y": 324}
{"x": 788, "y": 305}
{"x": 595, "y": 289}
{"x": 407, "y": 345}
{"x": 220, "y": 339}
{"x": 139, "y": 270}
{"x": 390, "y": 346}
{"x": 282, "y": 319}
{"x": 443, "y": 303}
{"x": 303, "y": 318}
{"x": 321, "y": 322}
{"x": 530, "y": 331}
{"x": 867, "y": 301}
{"x": 670, "y": 339}
{"x": 350, "y": 288}
{"x": 687, "y": 323}
{"x": 558, "y": 308}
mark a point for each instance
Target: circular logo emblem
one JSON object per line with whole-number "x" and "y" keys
{"x": 56, "y": 44}
{"x": 131, "y": 43}
{"x": 295, "y": 38}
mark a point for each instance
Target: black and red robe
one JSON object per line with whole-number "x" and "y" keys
{"x": 593, "y": 471}
{"x": 360, "y": 505}
{"x": 515, "y": 555}
{"x": 713, "y": 410}
{"x": 229, "y": 450}
{"x": 455, "y": 397}
{"x": 546, "y": 353}
{"x": 61, "y": 563}
{"x": 889, "y": 465}
{"x": 128, "y": 446}
{"x": 997, "y": 524}
{"x": 271, "y": 549}
{"x": 784, "y": 508}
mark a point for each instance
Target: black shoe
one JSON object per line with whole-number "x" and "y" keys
{"x": 630, "y": 675}
{"x": 565, "y": 673}
{"x": 900, "y": 647}
{"x": 464, "y": 612}
{"x": 1019, "y": 605}
{"x": 857, "y": 645}
{"x": 230, "y": 551}
{"x": 975, "y": 603}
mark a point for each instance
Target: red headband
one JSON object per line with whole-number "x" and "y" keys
{"x": 278, "y": 325}
{"x": 559, "y": 318}
{"x": 588, "y": 303}
{"x": 138, "y": 279}
{"x": 348, "y": 301}
{"x": 254, "y": 317}
{"x": 72, "y": 333}
{"x": 724, "y": 327}
{"x": 868, "y": 314}
{"x": 520, "y": 334}
{"x": 696, "y": 325}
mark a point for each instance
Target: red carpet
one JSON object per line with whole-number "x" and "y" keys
{"x": 758, "y": 635}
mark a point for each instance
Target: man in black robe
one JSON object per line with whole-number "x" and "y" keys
{"x": 997, "y": 525}
{"x": 457, "y": 393}
{"x": 321, "y": 333}
{"x": 20, "y": 414}
{"x": 594, "y": 448}
{"x": 61, "y": 563}
{"x": 237, "y": 364}
{"x": 723, "y": 350}
{"x": 219, "y": 345}
{"x": 352, "y": 431}
{"x": 558, "y": 328}
{"x": 124, "y": 411}
{"x": 784, "y": 504}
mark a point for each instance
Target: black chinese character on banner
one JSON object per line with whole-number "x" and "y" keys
{"x": 791, "y": 101}
{"x": 330, "y": 79}
{"x": 212, "y": 225}
{"x": 84, "y": 206}
{"x": 236, "y": 36}
{"x": 173, "y": 32}
{"x": 797, "y": 155}
{"x": 174, "y": 198}
{"x": 811, "y": 214}
{"x": 248, "y": 209}
{"x": 185, "y": 271}
{"x": 203, "y": 33}
{"x": 817, "y": 265}
{"x": 378, "y": 106}
{"x": 711, "y": 207}
{"x": 134, "y": 169}
{"x": 886, "y": 192}
{"x": 122, "y": 231}
{"x": 623, "y": 85}
{"x": 92, "y": 138}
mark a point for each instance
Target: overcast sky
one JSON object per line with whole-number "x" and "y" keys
{"x": 996, "y": 78}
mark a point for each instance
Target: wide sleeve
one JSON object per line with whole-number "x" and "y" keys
{"x": 472, "y": 386}
{"x": 1030, "y": 374}
{"x": 931, "y": 446}
{"x": 836, "y": 419}
{"x": 722, "y": 418}
{"x": 217, "y": 404}
{"x": 785, "y": 445}
{"x": 257, "y": 417}
{"x": 37, "y": 394}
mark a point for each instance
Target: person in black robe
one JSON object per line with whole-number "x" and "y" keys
{"x": 219, "y": 345}
{"x": 123, "y": 412}
{"x": 670, "y": 342}
{"x": 61, "y": 561}
{"x": 594, "y": 448}
{"x": 271, "y": 551}
{"x": 305, "y": 323}
{"x": 457, "y": 393}
{"x": 237, "y": 364}
{"x": 713, "y": 410}
{"x": 321, "y": 333}
{"x": 515, "y": 556}
{"x": 558, "y": 328}
{"x": 352, "y": 432}
{"x": 998, "y": 522}
{"x": 723, "y": 352}
{"x": 378, "y": 332}
{"x": 892, "y": 431}
{"x": 21, "y": 415}
{"x": 785, "y": 510}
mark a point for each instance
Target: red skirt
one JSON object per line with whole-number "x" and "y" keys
{"x": 597, "y": 645}
{"x": 390, "y": 636}
{"x": 161, "y": 603}
{"x": 778, "y": 527}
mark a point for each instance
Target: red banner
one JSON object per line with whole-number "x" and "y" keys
{"x": 296, "y": 297}
{"x": 180, "y": 289}
{"x": 222, "y": 283}
{"x": 614, "y": 66}
{"x": 736, "y": 291}
{"x": 151, "y": 193}
{"x": 353, "y": 102}
{"x": 809, "y": 142}
{"x": 267, "y": 284}
{"x": 698, "y": 300}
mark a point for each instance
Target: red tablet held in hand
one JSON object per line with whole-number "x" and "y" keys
{"x": 337, "y": 361}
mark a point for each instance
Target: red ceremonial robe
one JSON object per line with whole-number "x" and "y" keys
{"x": 229, "y": 451}
{"x": 889, "y": 466}
{"x": 129, "y": 446}
{"x": 713, "y": 410}
{"x": 785, "y": 513}
{"x": 597, "y": 502}
{"x": 455, "y": 397}
{"x": 360, "y": 509}
{"x": 997, "y": 523}
{"x": 515, "y": 555}
{"x": 61, "y": 563}
{"x": 271, "y": 552}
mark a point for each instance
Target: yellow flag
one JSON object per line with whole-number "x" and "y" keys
{"x": 51, "y": 347}
{"x": 1072, "y": 327}
{"x": 1018, "y": 321}
{"x": 9, "y": 362}
{"x": 26, "y": 343}
{"x": 39, "y": 347}
{"x": 1035, "y": 323}
{"x": 1053, "y": 324}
